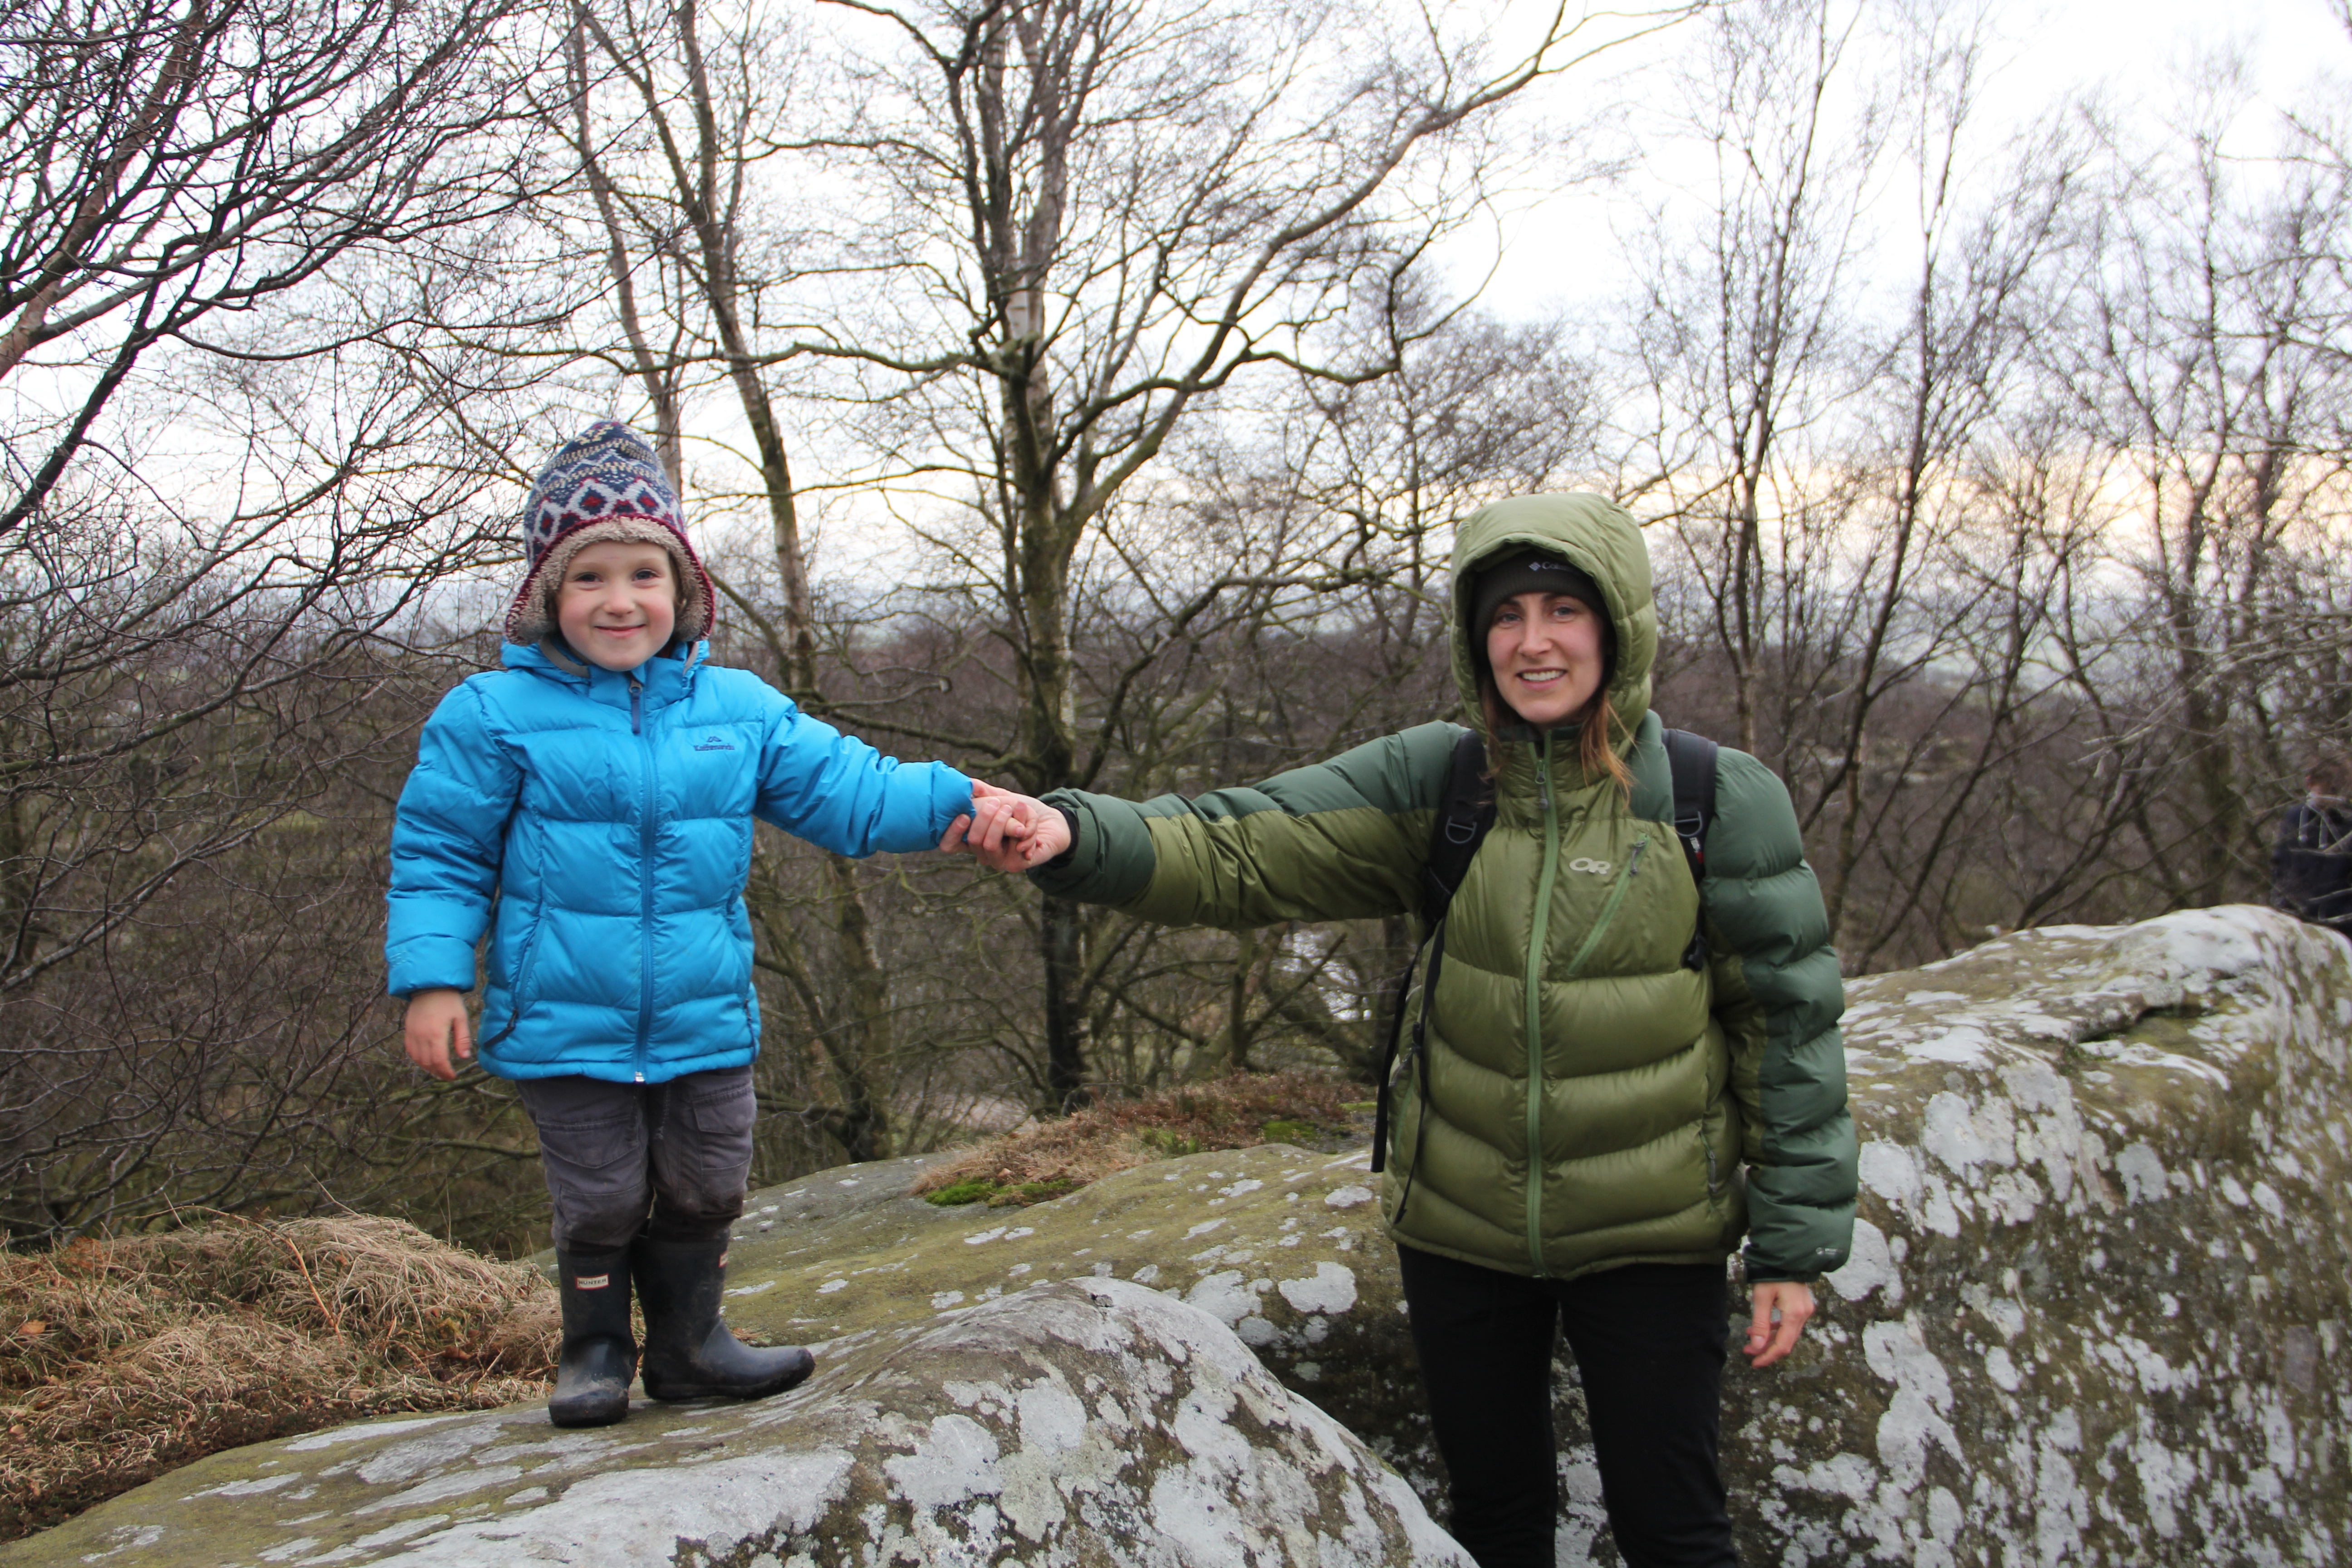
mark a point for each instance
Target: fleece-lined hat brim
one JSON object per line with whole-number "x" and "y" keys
{"x": 532, "y": 617}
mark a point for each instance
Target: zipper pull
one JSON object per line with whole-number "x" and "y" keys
{"x": 1543, "y": 774}
{"x": 636, "y": 706}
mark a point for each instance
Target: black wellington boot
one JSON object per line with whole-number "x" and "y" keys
{"x": 600, "y": 1355}
{"x": 689, "y": 1354}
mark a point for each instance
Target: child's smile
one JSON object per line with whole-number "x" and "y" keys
{"x": 617, "y": 604}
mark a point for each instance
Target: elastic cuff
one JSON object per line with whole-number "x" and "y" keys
{"x": 1070, "y": 821}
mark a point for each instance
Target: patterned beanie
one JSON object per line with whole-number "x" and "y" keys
{"x": 603, "y": 485}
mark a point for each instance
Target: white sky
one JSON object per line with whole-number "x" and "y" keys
{"x": 2132, "y": 50}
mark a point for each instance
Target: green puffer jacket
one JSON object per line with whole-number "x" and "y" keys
{"x": 1670, "y": 1109}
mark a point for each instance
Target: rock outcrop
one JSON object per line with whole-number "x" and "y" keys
{"x": 2097, "y": 1313}
{"x": 1092, "y": 1422}
{"x": 2098, "y": 1308}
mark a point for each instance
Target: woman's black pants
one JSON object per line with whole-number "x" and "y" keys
{"x": 1649, "y": 1341}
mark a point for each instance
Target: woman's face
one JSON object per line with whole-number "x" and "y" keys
{"x": 1544, "y": 650}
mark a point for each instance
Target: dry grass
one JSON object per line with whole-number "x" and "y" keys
{"x": 121, "y": 1360}
{"x": 1045, "y": 1161}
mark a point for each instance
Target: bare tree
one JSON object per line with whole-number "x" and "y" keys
{"x": 232, "y": 471}
{"x": 164, "y": 164}
{"x": 1743, "y": 337}
{"x": 1100, "y": 214}
{"x": 2205, "y": 355}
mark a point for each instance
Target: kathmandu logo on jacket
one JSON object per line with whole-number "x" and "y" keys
{"x": 714, "y": 743}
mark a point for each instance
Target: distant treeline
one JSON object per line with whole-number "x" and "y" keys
{"x": 1062, "y": 388}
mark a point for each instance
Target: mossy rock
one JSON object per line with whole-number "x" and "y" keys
{"x": 2097, "y": 1312}
{"x": 1090, "y": 1422}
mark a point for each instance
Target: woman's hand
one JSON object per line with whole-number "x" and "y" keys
{"x": 1008, "y": 832}
{"x": 436, "y": 1031}
{"x": 1782, "y": 1310}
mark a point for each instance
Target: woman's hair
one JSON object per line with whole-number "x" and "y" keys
{"x": 1596, "y": 742}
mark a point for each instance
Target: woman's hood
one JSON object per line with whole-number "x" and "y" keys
{"x": 1601, "y": 540}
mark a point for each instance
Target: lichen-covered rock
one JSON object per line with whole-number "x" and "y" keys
{"x": 2097, "y": 1307}
{"x": 2097, "y": 1311}
{"x": 1092, "y": 1422}
{"x": 1281, "y": 1246}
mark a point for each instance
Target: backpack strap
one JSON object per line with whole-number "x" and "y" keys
{"x": 1690, "y": 759}
{"x": 1465, "y": 814}
{"x": 1463, "y": 818}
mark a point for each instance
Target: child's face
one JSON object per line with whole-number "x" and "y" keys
{"x": 617, "y": 604}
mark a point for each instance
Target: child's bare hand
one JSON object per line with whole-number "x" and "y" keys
{"x": 1008, "y": 832}
{"x": 436, "y": 1033}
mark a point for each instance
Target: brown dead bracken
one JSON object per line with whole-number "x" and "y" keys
{"x": 121, "y": 1360}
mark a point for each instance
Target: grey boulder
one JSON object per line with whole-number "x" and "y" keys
{"x": 1088, "y": 1422}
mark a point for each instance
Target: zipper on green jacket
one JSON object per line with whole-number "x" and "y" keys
{"x": 1539, "y": 928}
{"x": 1535, "y": 988}
{"x": 1608, "y": 910}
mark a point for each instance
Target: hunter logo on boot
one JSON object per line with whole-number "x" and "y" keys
{"x": 591, "y": 1281}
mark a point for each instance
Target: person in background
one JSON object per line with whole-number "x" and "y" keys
{"x": 1626, "y": 1069}
{"x": 2311, "y": 865}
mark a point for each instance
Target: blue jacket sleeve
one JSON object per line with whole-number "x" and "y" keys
{"x": 448, "y": 839}
{"x": 841, "y": 794}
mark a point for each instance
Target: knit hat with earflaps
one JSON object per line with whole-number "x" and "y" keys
{"x": 603, "y": 485}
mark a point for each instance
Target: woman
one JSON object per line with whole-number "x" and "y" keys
{"x": 1675, "y": 1096}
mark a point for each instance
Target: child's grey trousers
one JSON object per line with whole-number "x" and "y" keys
{"x": 614, "y": 1150}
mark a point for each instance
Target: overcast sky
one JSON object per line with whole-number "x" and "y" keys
{"x": 1554, "y": 250}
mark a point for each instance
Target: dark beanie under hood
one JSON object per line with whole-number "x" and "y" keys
{"x": 1529, "y": 571}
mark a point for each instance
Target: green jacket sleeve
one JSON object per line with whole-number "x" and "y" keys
{"x": 1778, "y": 995}
{"x": 1343, "y": 839}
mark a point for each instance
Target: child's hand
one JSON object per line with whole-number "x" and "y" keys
{"x": 1008, "y": 832}
{"x": 435, "y": 1024}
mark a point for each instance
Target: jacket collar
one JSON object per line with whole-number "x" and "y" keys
{"x": 664, "y": 679}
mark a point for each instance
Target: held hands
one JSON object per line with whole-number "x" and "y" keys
{"x": 1008, "y": 832}
{"x": 1782, "y": 1310}
{"x": 436, "y": 1032}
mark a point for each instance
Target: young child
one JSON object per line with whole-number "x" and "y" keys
{"x": 592, "y": 805}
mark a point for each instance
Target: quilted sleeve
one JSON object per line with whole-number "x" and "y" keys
{"x": 841, "y": 794}
{"x": 448, "y": 840}
{"x": 1778, "y": 995}
{"x": 1341, "y": 840}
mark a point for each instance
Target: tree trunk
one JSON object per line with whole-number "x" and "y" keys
{"x": 1066, "y": 1056}
{"x": 864, "y": 1042}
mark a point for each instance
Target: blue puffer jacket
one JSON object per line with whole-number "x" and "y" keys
{"x": 607, "y": 817}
